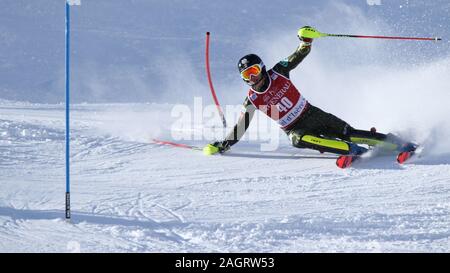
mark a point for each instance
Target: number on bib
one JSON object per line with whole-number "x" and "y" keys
{"x": 284, "y": 105}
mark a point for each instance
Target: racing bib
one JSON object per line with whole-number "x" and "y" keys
{"x": 281, "y": 101}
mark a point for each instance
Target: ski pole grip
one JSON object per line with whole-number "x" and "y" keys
{"x": 309, "y": 32}
{"x": 210, "y": 149}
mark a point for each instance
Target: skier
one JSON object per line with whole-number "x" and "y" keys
{"x": 307, "y": 126}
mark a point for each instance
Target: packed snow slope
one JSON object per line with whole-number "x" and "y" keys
{"x": 138, "y": 65}
{"x": 135, "y": 195}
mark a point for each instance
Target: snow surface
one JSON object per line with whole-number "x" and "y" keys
{"x": 135, "y": 61}
{"x": 139, "y": 196}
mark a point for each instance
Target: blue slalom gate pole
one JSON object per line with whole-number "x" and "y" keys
{"x": 67, "y": 110}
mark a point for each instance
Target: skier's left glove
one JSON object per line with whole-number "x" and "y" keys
{"x": 216, "y": 147}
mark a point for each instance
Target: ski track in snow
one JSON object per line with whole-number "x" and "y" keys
{"x": 135, "y": 196}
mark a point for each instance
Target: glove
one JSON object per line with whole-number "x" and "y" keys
{"x": 306, "y": 34}
{"x": 216, "y": 147}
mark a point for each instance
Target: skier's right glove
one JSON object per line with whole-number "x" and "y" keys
{"x": 216, "y": 147}
{"x": 306, "y": 34}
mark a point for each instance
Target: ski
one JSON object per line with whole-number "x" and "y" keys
{"x": 406, "y": 152}
{"x": 345, "y": 161}
{"x": 404, "y": 156}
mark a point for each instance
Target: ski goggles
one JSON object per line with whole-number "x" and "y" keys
{"x": 254, "y": 70}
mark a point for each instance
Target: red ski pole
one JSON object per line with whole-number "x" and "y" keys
{"x": 385, "y": 37}
{"x": 174, "y": 144}
{"x": 310, "y": 32}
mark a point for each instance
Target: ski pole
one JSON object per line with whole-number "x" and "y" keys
{"x": 308, "y": 32}
{"x": 174, "y": 144}
{"x": 208, "y": 72}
